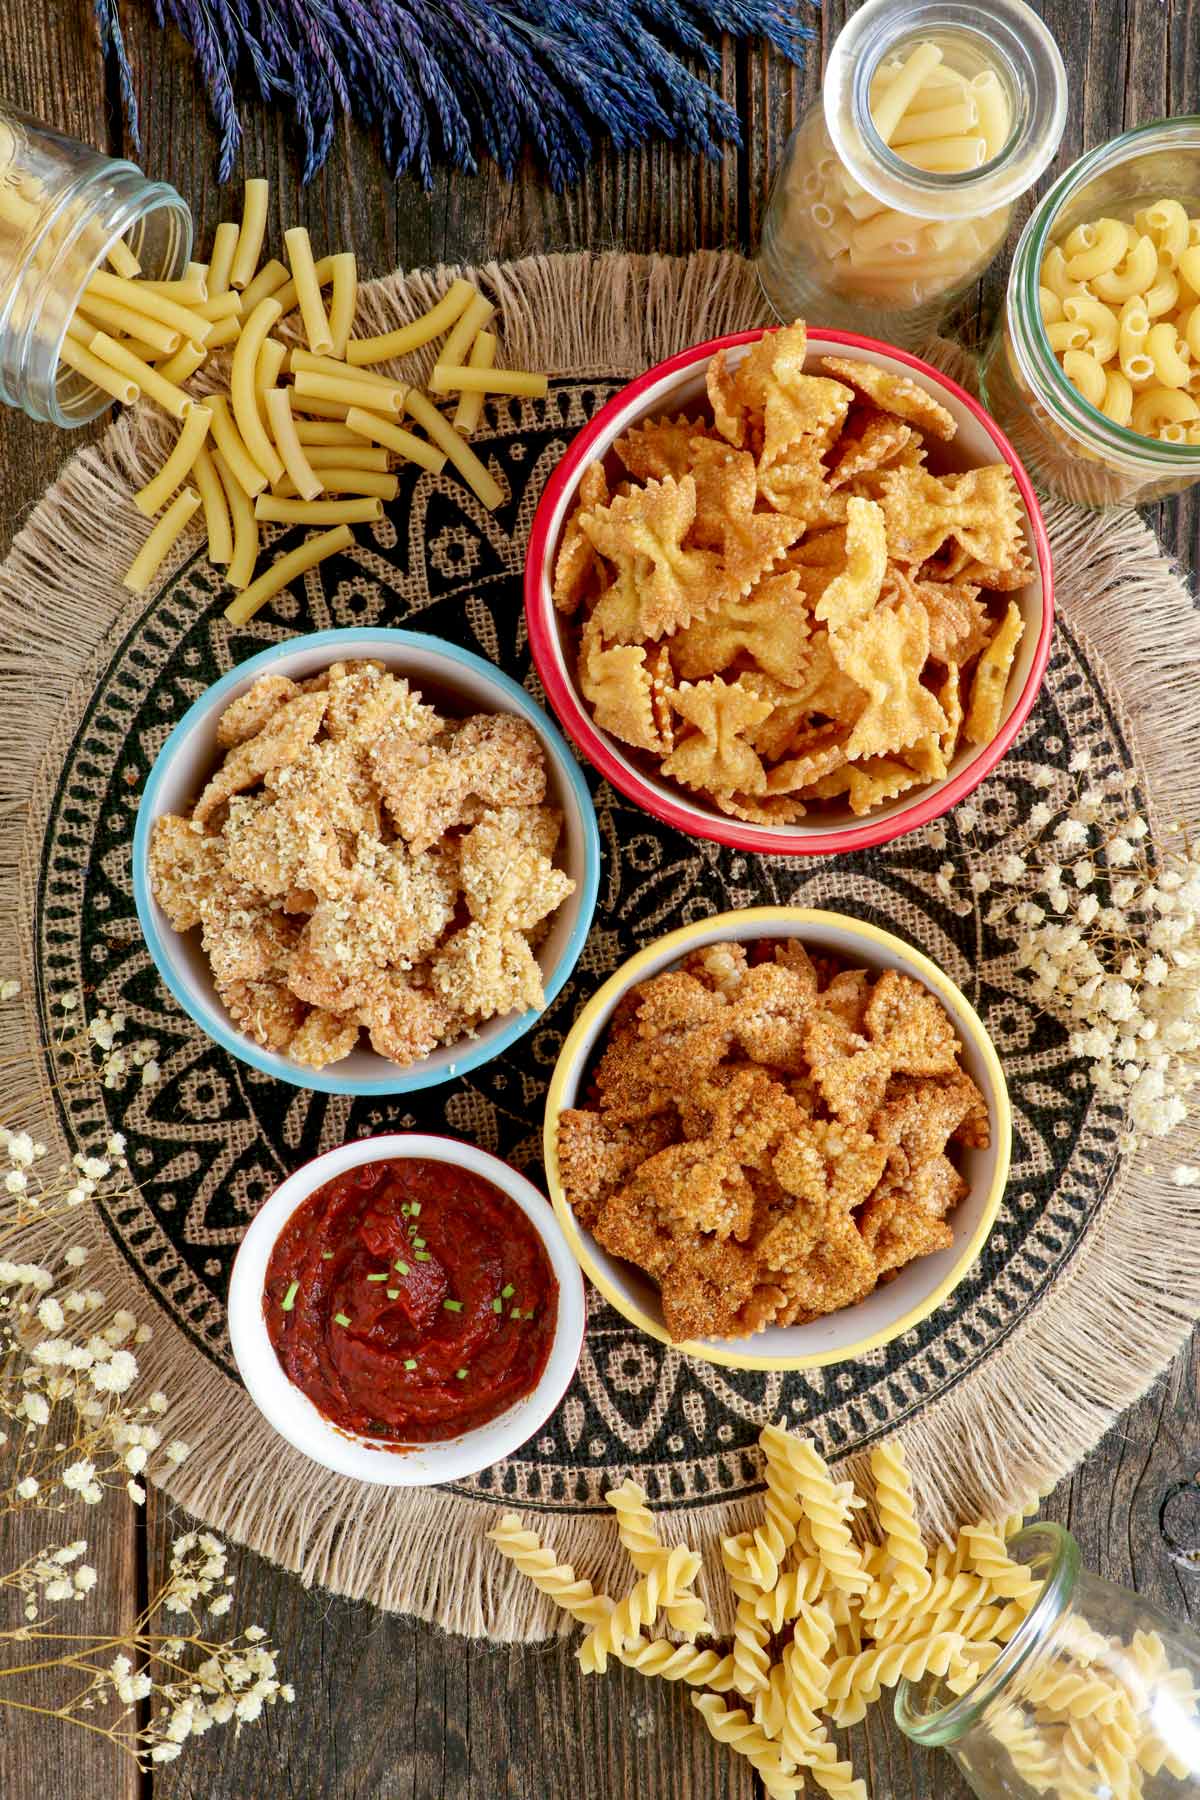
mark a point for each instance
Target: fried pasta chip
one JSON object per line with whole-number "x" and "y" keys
{"x": 786, "y": 565}
{"x": 358, "y": 860}
{"x": 716, "y": 756}
{"x": 853, "y": 593}
{"x": 885, "y": 654}
{"x": 769, "y": 1136}
{"x": 991, "y": 679}
{"x": 643, "y": 535}
{"x": 895, "y": 394}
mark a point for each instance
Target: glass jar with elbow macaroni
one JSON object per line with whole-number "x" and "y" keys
{"x": 1094, "y": 369}
{"x": 897, "y": 187}
{"x": 1083, "y": 1690}
{"x": 65, "y": 209}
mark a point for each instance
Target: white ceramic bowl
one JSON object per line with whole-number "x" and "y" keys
{"x": 678, "y": 385}
{"x": 441, "y": 670}
{"x": 893, "y": 1307}
{"x": 293, "y": 1414}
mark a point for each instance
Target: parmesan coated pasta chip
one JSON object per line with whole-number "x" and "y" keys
{"x": 359, "y": 861}
{"x": 768, "y": 1138}
{"x": 787, "y": 563}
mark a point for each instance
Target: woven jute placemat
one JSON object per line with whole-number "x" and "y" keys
{"x": 1091, "y": 1278}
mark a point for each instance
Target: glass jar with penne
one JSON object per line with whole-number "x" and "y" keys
{"x": 1094, "y": 368}
{"x": 77, "y": 230}
{"x": 897, "y": 187}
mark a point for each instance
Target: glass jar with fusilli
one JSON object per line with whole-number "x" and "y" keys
{"x": 1094, "y": 1697}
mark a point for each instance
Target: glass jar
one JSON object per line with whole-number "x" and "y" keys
{"x": 855, "y": 234}
{"x": 1094, "y": 1697}
{"x": 1066, "y": 443}
{"x": 62, "y": 207}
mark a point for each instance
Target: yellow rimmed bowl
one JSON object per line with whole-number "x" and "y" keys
{"x": 894, "y": 1307}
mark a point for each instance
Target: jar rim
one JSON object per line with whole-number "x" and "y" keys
{"x": 1081, "y": 415}
{"x": 946, "y": 1724}
{"x": 1015, "y": 37}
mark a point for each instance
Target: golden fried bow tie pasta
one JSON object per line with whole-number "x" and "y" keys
{"x": 773, "y": 564}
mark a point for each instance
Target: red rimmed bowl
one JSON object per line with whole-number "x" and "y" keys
{"x": 678, "y": 385}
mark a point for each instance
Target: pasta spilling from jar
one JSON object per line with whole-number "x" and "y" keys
{"x": 317, "y": 451}
{"x": 939, "y": 121}
{"x": 1120, "y": 303}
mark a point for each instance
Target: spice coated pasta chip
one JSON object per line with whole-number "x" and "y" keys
{"x": 787, "y": 563}
{"x": 991, "y": 679}
{"x": 360, "y": 862}
{"x": 768, "y": 1138}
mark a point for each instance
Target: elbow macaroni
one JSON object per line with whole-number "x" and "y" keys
{"x": 1120, "y": 306}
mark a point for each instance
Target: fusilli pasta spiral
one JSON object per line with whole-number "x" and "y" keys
{"x": 559, "y": 1580}
{"x": 898, "y": 1519}
{"x": 828, "y": 1513}
{"x": 680, "y": 1662}
{"x": 1033, "y": 1755}
{"x": 731, "y": 1726}
{"x": 640, "y": 1606}
{"x": 795, "y": 1586}
{"x": 986, "y": 1553}
{"x": 639, "y": 1536}
{"x": 856, "y": 1680}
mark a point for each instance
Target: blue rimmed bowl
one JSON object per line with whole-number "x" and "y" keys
{"x": 449, "y": 677}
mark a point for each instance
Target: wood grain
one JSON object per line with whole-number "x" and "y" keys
{"x": 385, "y": 1708}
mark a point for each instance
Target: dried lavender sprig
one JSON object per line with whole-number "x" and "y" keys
{"x": 112, "y": 41}
{"x": 467, "y": 77}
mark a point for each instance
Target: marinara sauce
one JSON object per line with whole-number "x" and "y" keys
{"x": 411, "y": 1300}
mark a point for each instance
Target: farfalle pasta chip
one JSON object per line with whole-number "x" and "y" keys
{"x": 759, "y": 1140}
{"x": 783, "y": 608}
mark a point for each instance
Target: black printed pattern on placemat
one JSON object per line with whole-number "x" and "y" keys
{"x": 211, "y": 1140}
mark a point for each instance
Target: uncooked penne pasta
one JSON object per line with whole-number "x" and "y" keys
{"x": 271, "y": 278}
{"x": 894, "y": 101}
{"x": 288, "y": 295}
{"x": 144, "y": 301}
{"x": 242, "y": 466}
{"x": 77, "y": 356}
{"x": 186, "y": 360}
{"x": 167, "y": 394}
{"x": 225, "y": 331}
{"x": 477, "y": 478}
{"x": 251, "y": 233}
{"x": 221, "y": 306}
{"x": 330, "y": 432}
{"x": 343, "y": 299}
{"x": 404, "y": 443}
{"x": 111, "y": 315}
{"x": 304, "y": 274}
{"x": 151, "y": 498}
{"x": 303, "y": 361}
{"x": 488, "y": 381}
{"x": 216, "y": 507}
{"x": 439, "y": 318}
{"x": 285, "y": 569}
{"x": 150, "y": 557}
{"x": 344, "y": 481}
{"x": 464, "y": 331}
{"x": 245, "y": 526}
{"x": 274, "y": 509}
{"x": 121, "y": 260}
{"x": 350, "y": 454}
{"x": 470, "y": 405}
{"x": 344, "y": 390}
{"x": 243, "y": 395}
{"x": 190, "y": 291}
{"x": 225, "y": 243}
{"x": 307, "y": 482}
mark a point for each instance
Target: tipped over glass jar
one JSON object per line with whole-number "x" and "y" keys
{"x": 897, "y": 187}
{"x": 1094, "y": 1696}
{"x": 63, "y": 209}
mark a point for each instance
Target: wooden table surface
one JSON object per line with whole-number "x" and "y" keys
{"x": 386, "y": 1707}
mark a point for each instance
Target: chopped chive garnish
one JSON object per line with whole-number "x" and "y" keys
{"x": 507, "y": 1291}
{"x": 289, "y": 1299}
{"x": 515, "y": 1313}
{"x": 405, "y": 1210}
{"x": 393, "y": 1293}
{"x": 410, "y": 1362}
{"x": 382, "y": 1277}
{"x": 327, "y": 1256}
{"x": 418, "y": 1243}
{"x": 401, "y": 1267}
{"x": 421, "y": 1255}
{"x": 453, "y": 1305}
{"x": 498, "y": 1306}
{"x": 460, "y": 1374}
{"x": 340, "y": 1319}
{"x": 415, "y": 1208}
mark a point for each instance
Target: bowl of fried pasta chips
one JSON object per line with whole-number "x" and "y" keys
{"x": 365, "y": 861}
{"x": 777, "y": 1138}
{"x": 791, "y": 590}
